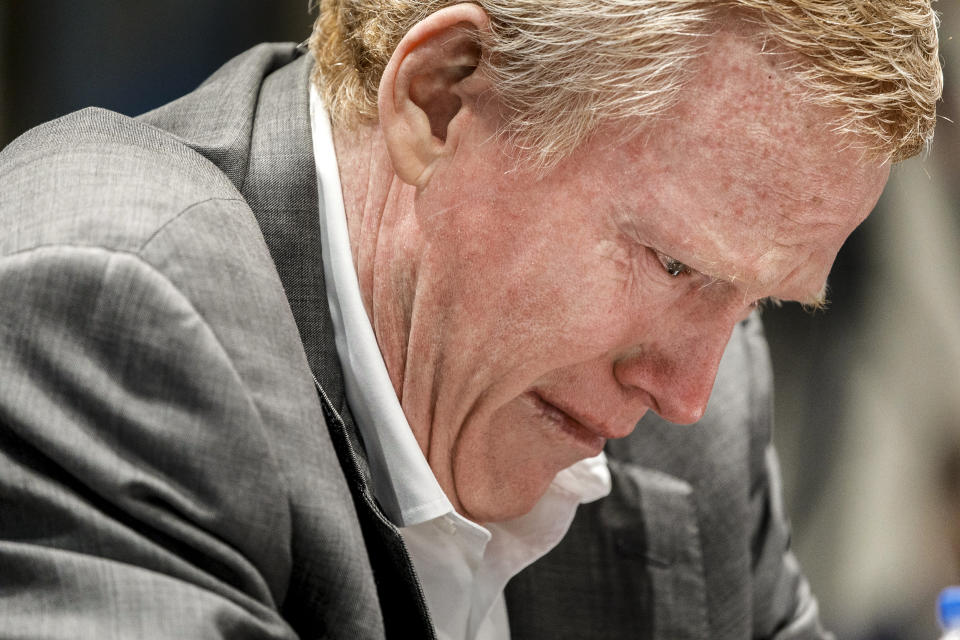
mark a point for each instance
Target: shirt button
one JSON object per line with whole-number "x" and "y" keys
{"x": 449, "y": 525}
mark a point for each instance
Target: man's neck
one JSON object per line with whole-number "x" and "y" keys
{"x": 402, "y": 286}
{"x": 385, "y": 240}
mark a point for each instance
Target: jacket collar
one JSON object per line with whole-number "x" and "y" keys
{"x": 263, "y": 146}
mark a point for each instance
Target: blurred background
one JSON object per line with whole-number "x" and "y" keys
{"x": 868, "y": 393}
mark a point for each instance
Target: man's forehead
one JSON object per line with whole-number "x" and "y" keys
{"x": 763, "y": 239}
{"x": 744, "y": 182}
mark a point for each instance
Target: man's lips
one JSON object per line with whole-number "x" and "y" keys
{"x": 589, "y": 437}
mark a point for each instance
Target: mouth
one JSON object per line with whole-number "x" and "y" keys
{"x": 568, "y": 425}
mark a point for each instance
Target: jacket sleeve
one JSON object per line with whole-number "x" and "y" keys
{"x": 138, "y": 494}
{"x": 784, "y": 607}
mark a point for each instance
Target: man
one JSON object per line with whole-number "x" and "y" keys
{"x": 341, "y": 358}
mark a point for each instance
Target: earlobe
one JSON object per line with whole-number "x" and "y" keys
{"x": 428, "y": 87}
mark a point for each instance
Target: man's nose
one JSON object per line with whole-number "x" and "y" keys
{"x": 677, "y": 374}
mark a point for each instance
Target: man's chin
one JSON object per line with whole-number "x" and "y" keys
{"x": 503, "y": 500}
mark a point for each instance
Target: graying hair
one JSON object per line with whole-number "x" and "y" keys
{"x": 562, "y": 68}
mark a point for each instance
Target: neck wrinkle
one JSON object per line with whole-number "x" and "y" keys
{"x": 387, "y": 245}
{"x": 394, "y": 279}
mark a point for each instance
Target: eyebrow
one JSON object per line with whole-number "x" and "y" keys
{"x": 817, "y": 302}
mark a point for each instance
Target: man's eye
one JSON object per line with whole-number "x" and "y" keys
{"x": 674, "y": 268}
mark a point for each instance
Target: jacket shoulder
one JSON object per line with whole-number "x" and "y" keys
{"x": 97, "y": 178}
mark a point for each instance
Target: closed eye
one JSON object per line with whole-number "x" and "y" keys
{"x": 626, "y": 225}
{"x": 674, "y": 268}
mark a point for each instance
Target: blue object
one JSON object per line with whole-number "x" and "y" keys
{"x": 948, "y": 608}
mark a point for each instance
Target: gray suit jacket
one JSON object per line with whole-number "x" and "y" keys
{"x": 177, "y": 459}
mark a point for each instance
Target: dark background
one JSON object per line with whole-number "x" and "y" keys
{"x": 127, "y": 55}
{"x": 57, "y": 56}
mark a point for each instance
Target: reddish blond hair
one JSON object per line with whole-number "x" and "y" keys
{"x": 561, "y": 68}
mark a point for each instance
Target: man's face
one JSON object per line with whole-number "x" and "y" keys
{"x": 550, "y": 314}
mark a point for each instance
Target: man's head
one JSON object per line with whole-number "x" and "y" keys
{"x": 526, "y": 316}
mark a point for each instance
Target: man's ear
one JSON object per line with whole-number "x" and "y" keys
{"x": 428, "y": 89}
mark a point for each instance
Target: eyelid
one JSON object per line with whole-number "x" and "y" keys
{"x": 672, "y": 266}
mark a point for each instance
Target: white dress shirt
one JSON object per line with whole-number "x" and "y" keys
{"x": 463, "y": 567}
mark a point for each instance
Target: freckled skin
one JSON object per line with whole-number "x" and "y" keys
{"x": 516, "y": 287}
